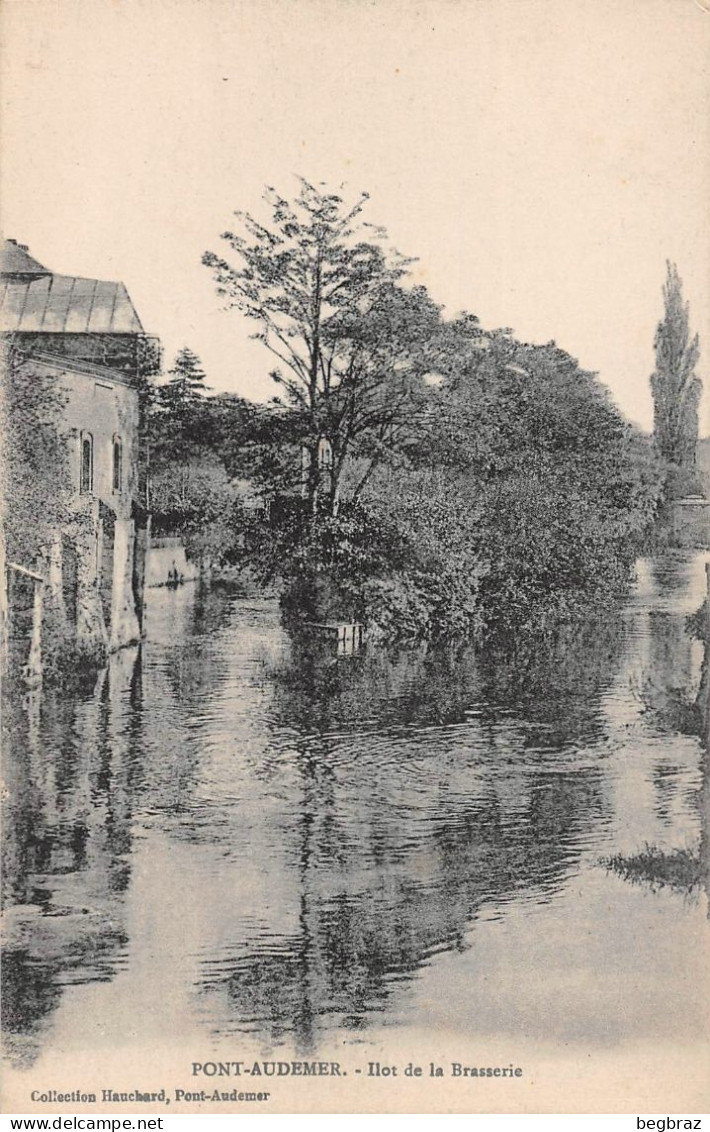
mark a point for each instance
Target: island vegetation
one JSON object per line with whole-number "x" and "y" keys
{"x": 415, "y": 470}
{"x": 419, "y": 472}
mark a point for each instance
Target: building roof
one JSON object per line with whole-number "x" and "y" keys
{"x": 16, "y": 260}
{"x": 33, "y": 299}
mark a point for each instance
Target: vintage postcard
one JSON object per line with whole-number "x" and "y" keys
{"x": 355, "y": 556}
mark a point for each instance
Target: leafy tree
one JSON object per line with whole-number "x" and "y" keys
{"x": 196, "y": 504}
{"x": 516, "y": 406}
{"x": 676, "y": 388}
{"x": 177, "y": 424}
{"x": 198, "y": 446}
{"x": 525, "y": 504}
{"x": 180, "y": 406}
{"x": 474, "y": 483}
{"x": 351, "y": 342}
{"x": 239, "y": 430}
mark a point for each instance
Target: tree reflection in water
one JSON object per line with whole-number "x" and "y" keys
{"x": 67, "y": 841}
{"x": 433, "y": 782}
{"x": 360, "y": 813}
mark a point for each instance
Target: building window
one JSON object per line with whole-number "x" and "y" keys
{"x": 325, "y": 455}
{"x": 117, "y": 463}
{"x": 86, "y": 480}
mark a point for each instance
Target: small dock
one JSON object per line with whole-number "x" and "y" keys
{"x": 348, "y": 636}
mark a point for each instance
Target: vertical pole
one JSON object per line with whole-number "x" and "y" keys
{"x": 34, "y": 660}
{"x": 99, "y": 552}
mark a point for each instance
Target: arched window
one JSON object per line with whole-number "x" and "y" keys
{"x": 86, "y": 479}
{"x": 117, "y": 463}
{"x": 325, "y": 454}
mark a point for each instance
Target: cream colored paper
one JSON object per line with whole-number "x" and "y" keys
{"x": 543, "y": 159}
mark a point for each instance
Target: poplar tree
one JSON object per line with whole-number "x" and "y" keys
{"x": 676, "y": 388}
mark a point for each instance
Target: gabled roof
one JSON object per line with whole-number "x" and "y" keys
{"x": 33, "y": 299}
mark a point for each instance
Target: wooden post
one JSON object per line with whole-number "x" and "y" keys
{"x": 33, "y": 668}
{"x": 34, "y": 660}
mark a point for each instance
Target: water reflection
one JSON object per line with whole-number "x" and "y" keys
{"x": 66, "y": 846}
{"x": 429, "y": 784}
{"x": 260, "y": 837}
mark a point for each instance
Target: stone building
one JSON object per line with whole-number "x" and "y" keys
{"x": 86, "y": 333}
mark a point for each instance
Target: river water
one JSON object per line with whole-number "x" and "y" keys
{"x": 233, "y": 839}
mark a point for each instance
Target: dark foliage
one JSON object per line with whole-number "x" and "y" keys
{"x": 473, "y": 484}
{"x": 35, "y": 460}
{"x": 676, "y": 388}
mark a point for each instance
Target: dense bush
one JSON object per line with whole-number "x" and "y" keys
{"x": 433, "y": 478}
{"x": 522, "y": 504}
{"x": 527, "y": 500}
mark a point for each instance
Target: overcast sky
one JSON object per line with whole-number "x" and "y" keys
{"x": 542, "y": 159}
